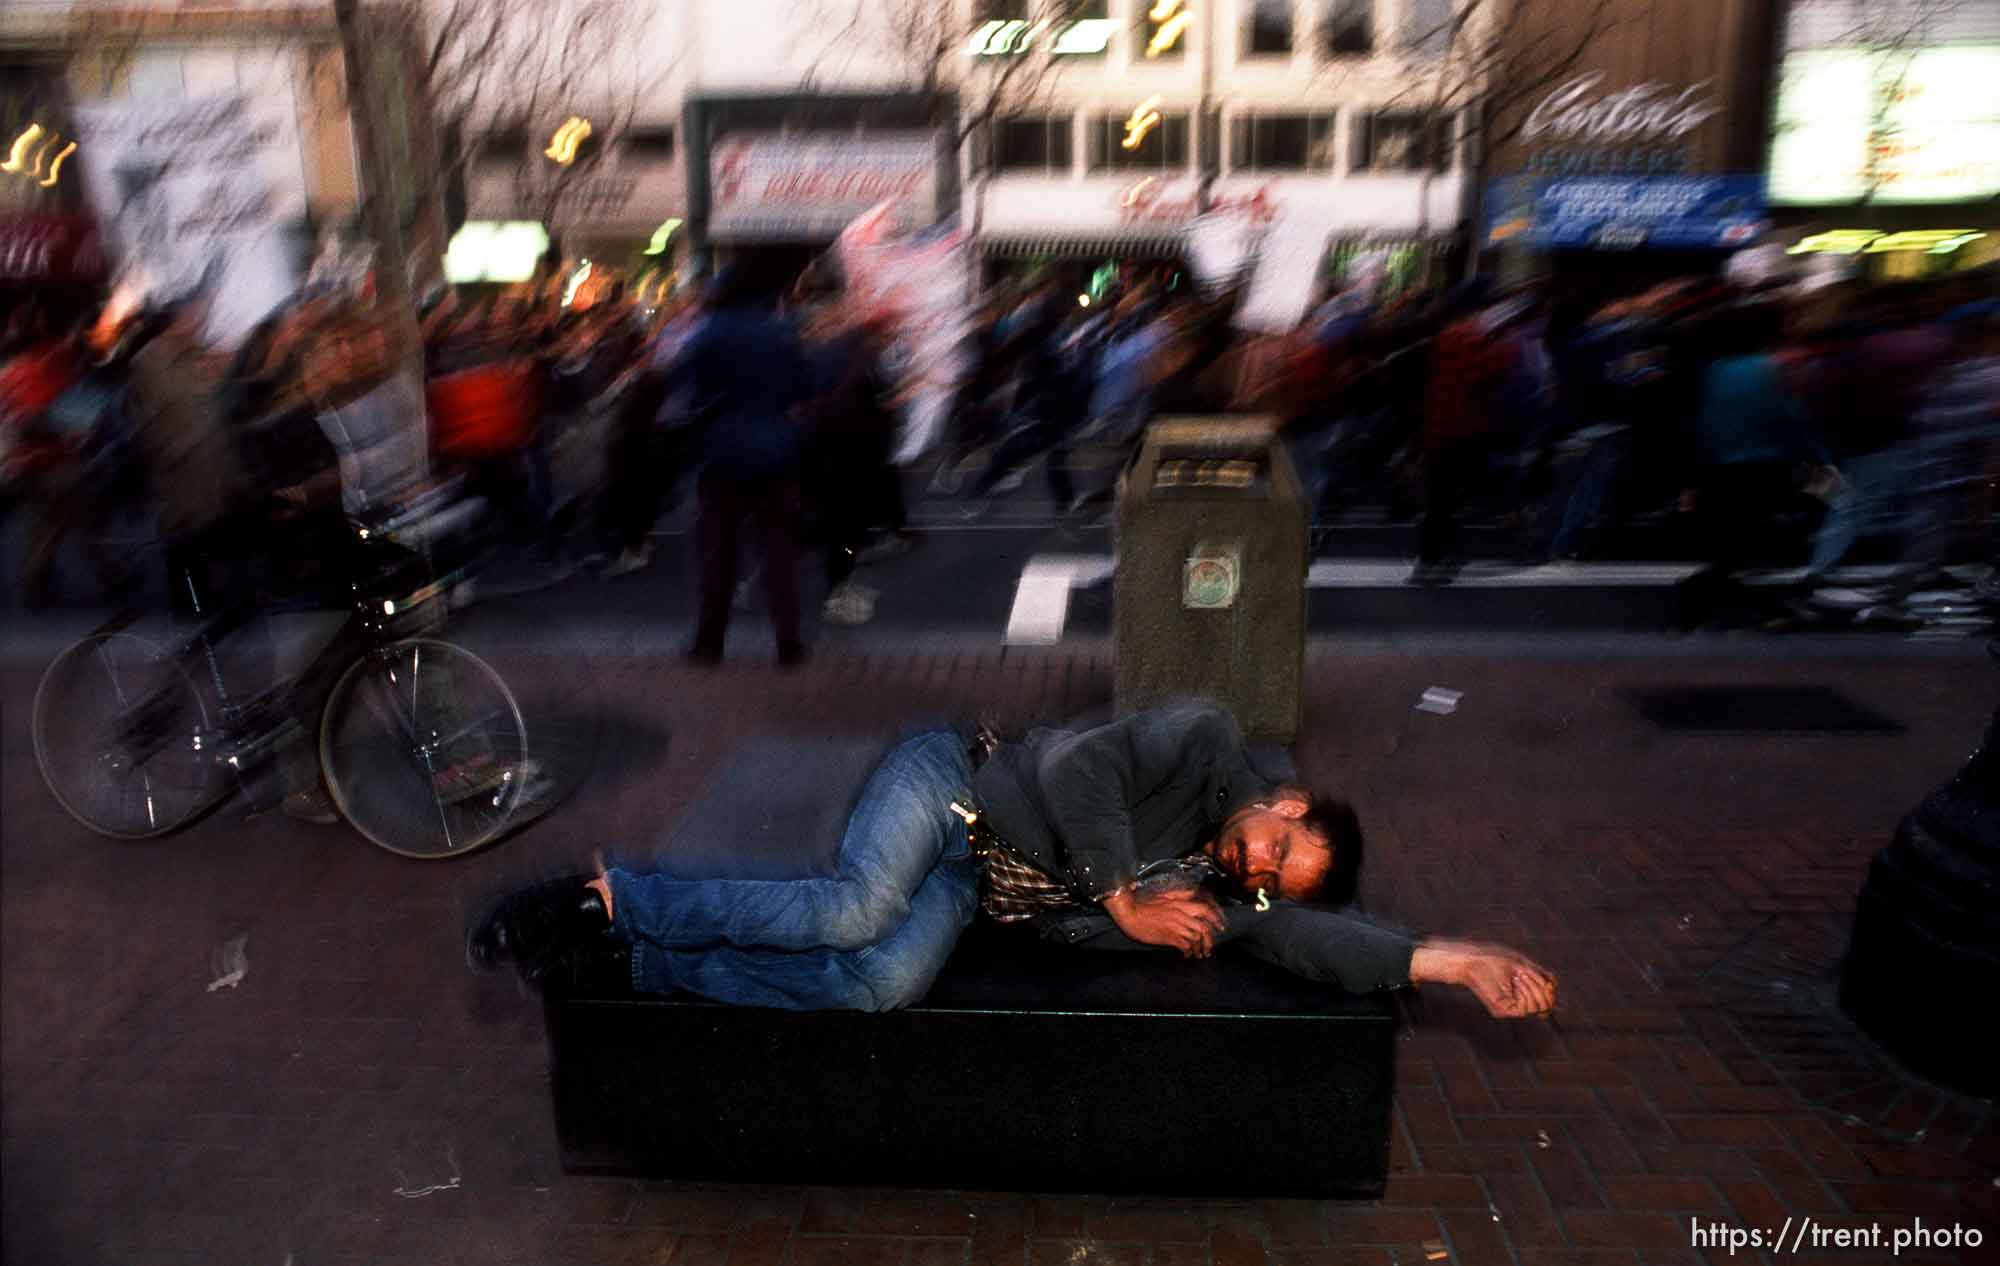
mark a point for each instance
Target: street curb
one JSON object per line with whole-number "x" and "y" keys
{"x": 32, "y": 643}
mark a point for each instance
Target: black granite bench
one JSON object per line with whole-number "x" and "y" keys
{"x": 1029, "y": 1066}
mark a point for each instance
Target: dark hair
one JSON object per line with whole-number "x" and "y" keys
{"x": 1333, "y": 820}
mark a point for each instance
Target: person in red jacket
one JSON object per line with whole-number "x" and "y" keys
{"x": 1468, "y": 359}
{"x": 48, "y": 418}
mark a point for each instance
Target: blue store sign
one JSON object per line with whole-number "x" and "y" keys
{"x": 1626, "y": 213}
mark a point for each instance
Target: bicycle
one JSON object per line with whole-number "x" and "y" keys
{"x": 421, "y": 744}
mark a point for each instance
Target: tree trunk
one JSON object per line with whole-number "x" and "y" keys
{"x": 1424, "y": 216}
{"x": 378, "y": 210}
{"x": 974, "y": 252}
{"x": 393, "y": 304}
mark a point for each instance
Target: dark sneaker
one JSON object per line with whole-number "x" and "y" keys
{"x": 600, "y": 969}
{"x": 539, "y": 929}
{"x": 699, "y": 656}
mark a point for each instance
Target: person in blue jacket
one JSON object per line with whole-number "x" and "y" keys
{"x": 746, "y": 376}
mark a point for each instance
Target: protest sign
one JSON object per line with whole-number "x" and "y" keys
{"x": 919, "y": 284}
{"x": 194, "y": 194}
{"x": 1222, "y": 247}
{"x": 1287, "y": 272}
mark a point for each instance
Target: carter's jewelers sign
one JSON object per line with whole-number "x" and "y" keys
{"x": 1577, "y": 112}
{"x": 1581, "y": 129}
{"x": 770, "y": 187}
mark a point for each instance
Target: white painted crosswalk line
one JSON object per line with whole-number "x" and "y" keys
{"x": 1335, "y": 573}
{"x": 1041, "y": 599}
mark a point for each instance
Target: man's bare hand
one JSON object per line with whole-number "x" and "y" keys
{"x": 1509, "y": 985}
{"x": 1187, "y": 920}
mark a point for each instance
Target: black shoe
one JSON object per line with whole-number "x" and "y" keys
{"x": 702, "y": 656}
{"x": 1434, "y": 575}
{"x": 597, "y": 969}
{"x": 539, "y": 929}
{"x": 793, "y": 656}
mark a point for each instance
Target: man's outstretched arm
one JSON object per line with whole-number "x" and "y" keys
{"x": 1509, "y": 985}
{"x": 1361, "y": 958}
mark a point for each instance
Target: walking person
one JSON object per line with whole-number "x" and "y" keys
{"x": 1752, "y": 437}
{"x": 854, "y": 481}
{"x": 1866, "y": 390}
{"x": 747, "y": 379}
{"x": 1046, "y": 404}
{"x": 1468, "y": 362}
{"x": 649, "y": 446}
{"x": 979, "y": 409}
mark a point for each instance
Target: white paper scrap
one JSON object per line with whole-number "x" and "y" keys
{"x": 1439, "y": 700}
{"x": 230, "y": 963}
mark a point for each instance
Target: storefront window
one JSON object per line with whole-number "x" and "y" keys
{"x": 1033, "y": 146}
{"x": 1430, "y": 28}
{"x": 1348, "y": 27}
{"x": 650, "y": 144}
{"x": 1155, "y": 146}
{"x": 1267, "y": 30}
{"x": 1281, "y": 142}
{"x": 1390, "y": 141}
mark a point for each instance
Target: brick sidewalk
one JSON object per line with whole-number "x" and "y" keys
{"x": 361, "y": 1098}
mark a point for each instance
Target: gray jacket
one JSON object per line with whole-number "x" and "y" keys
{"x": 1094, "y": 808}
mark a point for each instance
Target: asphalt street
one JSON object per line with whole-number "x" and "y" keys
{"x": 1012, "y": 572}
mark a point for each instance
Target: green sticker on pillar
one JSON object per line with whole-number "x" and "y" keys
{"x": 1211, "y": 578}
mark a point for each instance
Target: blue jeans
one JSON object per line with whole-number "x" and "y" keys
{"x": 1595, "y": 491}
{"x": 1873, "y": 501}
{"x": 870, "y": 938}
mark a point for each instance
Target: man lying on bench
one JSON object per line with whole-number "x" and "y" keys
{"x": 1151, "y": 831}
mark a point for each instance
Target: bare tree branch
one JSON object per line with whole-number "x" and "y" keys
{"x": 1894, "y": 30}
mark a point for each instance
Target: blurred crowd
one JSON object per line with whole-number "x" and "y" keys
{"x": 1746, "y": 428}
{"x": 1768, "y": 427}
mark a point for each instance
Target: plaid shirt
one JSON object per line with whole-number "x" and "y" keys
{"x": 1011, "y": 889}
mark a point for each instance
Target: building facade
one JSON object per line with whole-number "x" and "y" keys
{"x": 1165, "y": 110}
{"x": 116, "y": 81}
{"x": 1064, "y": 130}
{"x": 1885, "y": 134}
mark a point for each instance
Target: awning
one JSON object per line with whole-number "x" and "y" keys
{"x": 1067, "y": 246}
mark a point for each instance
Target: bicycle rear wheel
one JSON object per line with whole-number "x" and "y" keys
{"x": 424, "y": 749}
{"x": 123, "y": 739}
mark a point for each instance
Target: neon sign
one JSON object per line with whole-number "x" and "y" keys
{"x": 563, "y": 145}
{"x": 1145, "y": 117}
{"x": 1876, "y": 242}
{"x": 16, "y": 160}
{"x": 1170, "y": 20}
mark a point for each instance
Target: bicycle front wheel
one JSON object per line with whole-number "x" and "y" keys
{"x": 424, "y": 749}
{"x": 123, "y": 739}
